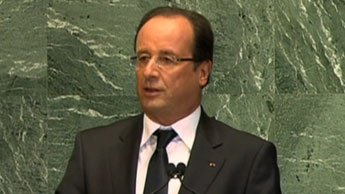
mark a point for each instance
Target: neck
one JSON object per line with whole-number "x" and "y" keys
{"x": 167, "y": 119}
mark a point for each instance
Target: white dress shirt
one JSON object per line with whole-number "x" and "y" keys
{"x": 178, "y": 149}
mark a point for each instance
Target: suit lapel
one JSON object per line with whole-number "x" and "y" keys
{"x": 203, "y": 166}
{"x": 124, "y": 156}
{"x": 205, "y": 162}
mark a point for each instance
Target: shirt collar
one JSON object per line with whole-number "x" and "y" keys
{"x": 185, "y": 128}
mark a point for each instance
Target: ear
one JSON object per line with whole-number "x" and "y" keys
{"x": 204, "y": 69}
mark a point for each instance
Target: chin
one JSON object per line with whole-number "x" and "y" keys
{"x": 153, "y": 108}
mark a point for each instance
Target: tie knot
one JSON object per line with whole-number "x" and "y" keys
{"x": 164, "y": 137}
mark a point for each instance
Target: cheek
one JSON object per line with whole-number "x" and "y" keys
{"x": 181, "y": 82}
{"x": 138, "y": 76}
{"x": 174, "y": 79}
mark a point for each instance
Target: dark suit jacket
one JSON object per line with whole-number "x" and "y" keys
{"x": 104, "y": 160}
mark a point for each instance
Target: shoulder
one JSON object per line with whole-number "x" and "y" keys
{"x": 117, "y": 128}
{"x": 240, "y": 147}
{"x": 227, "y": 131}
{"x": 236, "y": 139}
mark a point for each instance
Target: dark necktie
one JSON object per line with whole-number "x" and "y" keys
{"x": 157, "y": 173}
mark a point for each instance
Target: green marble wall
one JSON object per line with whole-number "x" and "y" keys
{"x": 279, "y": 73}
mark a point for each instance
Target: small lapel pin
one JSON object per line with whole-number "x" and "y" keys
{"x": 212, "y": 164}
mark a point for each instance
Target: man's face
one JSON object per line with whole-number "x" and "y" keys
{"x": 168, "y": 94}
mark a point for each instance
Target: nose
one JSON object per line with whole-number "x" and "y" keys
{"x": 150, "y": 69}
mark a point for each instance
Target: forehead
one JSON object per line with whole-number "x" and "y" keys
{"x": 161, "y": 32}
{"x": 167, "y": 24}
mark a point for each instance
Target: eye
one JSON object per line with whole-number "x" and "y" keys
{"x": 167, "y": 60}
{"x": 143, "y": 59}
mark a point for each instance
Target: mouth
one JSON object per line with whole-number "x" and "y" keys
{"x": 149, "y": 91}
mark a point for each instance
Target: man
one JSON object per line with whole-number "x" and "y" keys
{"x": 174, "y": 54}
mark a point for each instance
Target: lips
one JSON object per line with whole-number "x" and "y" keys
{"x": 149, "y": 91}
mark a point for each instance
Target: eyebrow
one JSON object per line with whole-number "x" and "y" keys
{"x": 139, "y": 52}
{"x": 167, "y": 52}
{"x": 162, "y": 52}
